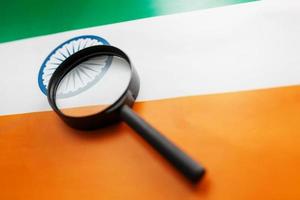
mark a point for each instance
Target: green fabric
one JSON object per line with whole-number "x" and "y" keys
{"x": 29, "y": 18}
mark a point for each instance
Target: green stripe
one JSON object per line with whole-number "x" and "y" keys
{"x": 23, "y": 19}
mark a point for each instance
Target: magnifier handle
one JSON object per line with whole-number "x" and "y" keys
{"x": 185, "y": 164}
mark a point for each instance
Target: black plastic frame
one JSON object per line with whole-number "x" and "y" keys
{"x": 110, "y": 114}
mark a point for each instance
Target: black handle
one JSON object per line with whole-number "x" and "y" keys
{"x": 189, "y": 168}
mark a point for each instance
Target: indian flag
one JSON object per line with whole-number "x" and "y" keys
{"x": 219, "y": 78}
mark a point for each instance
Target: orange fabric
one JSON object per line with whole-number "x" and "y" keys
{"x": 248, "y": 141}
{"x": 84, "y": 110}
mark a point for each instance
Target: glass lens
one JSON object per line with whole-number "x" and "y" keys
{"x": 92, "y": 86}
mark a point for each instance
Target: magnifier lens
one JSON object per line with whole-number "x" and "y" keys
{"x": 92, "y": 86}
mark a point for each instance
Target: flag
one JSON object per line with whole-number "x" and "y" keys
{"x": 221, "y": 83}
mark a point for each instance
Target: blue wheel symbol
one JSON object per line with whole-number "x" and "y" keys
{"x": 92, "y": 72}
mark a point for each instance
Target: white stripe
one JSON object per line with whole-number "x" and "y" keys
{"x": 233, "y": 48}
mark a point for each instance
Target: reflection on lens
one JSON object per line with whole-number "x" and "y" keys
{"x": 98, "y": 96}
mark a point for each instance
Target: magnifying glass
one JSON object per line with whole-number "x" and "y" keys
{"x": 109, "y": 101}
